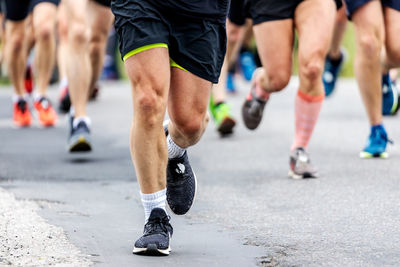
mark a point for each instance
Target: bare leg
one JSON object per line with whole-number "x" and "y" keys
{"x": 15, "y": 54}
{"x": 315, "y": 36}
{"x": 44, "y": 20}
{"x": 369, "y": 27}
{"x": 62, "y": 53}
{"x": 338, "y": 33}
{"x": 391, "y": 58}
{"x": 149, "y": 73}
{"x": 187, "y": 107}
{"x": 78, "y": 61}
{"x": 100, "y": 18}
{"x": 275, "y": 44}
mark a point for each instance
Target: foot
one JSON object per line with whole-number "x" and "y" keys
{"x": 390, "y": 96}
{"x": 65, "y": 101}
{"x": 221, "y": 114}
{"x": 376, "y": 144}
{"x": 247, "y": 64}
{"x": 181, "y": 185}
{"x": 22, "y": 116}
{"x": 300, "y": 165}
{"x": 331, "y": 72}
{"x": 253, "y": 107}
{"x": 79, "y": 139}
{"x": 156, "y": 235}
{"x": 46, "y": 113}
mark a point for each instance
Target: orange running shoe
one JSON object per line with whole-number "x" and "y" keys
{"x": 46, "y": 113}
{"x": 22, "y": 117}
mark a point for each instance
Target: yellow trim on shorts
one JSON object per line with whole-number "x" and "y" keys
{"x": 172, "y": 63}
{"x": 143, "y": 48}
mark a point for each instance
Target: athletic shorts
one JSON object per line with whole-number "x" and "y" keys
{"x": 353, "y": 5}
{"x": 17, "y": 10}
{"x": 196, "y": 46}
{"x": 269, "y": 10}
{"x": 106, "y": 3}
{"x": 239, "y": 11}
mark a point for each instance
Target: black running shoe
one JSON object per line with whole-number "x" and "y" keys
{"x": 181, "y": 185}
{"x": 156, "y": 235}
{"x": 253, "y": 107}
{"x": 79, "y": 139}
{"x": 64, "y": 101}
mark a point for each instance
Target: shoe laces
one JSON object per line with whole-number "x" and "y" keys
{"x": 377, "y": 136}
{"x": 44, "y": 103}
{"x": 158, "y": 225}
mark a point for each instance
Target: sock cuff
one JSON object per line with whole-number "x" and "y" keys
{"x": 153, "y": 196}
{"x": 77, "y": 120}
{"x": 310, "y": 98}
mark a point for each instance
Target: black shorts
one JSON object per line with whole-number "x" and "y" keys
{"x": 106, "y": 3}
{"x": 353, "y": 5}
{"x": 197, "y": 46}
{"x": 239, "y": 11}
{"x": 17, "y": 10}
{"x": 269, "y": 10}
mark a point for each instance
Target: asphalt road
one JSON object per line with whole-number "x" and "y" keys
{"x": 247, "y": 211}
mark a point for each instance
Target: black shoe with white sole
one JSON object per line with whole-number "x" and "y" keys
{"x": 181, "y": 185}
{"x": 156, "y": 235}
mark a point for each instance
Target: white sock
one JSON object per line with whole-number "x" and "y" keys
{"x": 63, "y": 83}
{"x": 37, "y": 96}
{"x": 174, "y": 151}
{"x": 154, "y": 200}
{"x": 16, "y": 98}
{"x": 77, "y": 120}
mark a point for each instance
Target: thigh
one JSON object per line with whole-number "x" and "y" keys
{"x": 275, "y": 45}
{"x": 44, "y": 15}
{"x": 392, "y": 28}
{"x": 149, "y": 73}
{"x": 368, "y": 20}
{"x": 189, "y": 96}
{"x": 100, "y": 20}
{"x": 76, "y": 12}
{"x": 314, "y": 21}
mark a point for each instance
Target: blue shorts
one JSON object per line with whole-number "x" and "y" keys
{"x": 353, "y": 5}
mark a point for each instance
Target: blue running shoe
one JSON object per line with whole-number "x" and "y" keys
{"x": 230, "y": 82}
{"x": 331, "y": 72}
{"x": 390, "y": 96}
{"x": 247, "y": 64}
{"x": 376, "y": 144}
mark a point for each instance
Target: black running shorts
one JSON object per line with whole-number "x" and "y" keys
{"x": 269, "y": 10}
{"x": 17, "y": 10}
{"x": 106, "y": 3}
{"x": 197, "y": 46}
{"x": 239, "y": 11}
{"x": 353, "y": 5}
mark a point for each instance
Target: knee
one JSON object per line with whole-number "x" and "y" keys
{"x": 16, "y": 43}
{"x": 78, "y": 34}
{"x": 370, "y": 45}
{"x": 97, "y": 43}
{"x": 234, "y": 33}
{"x": 278, "y": 80}
{"x": 312, "y": 66}
{"x": 44, "y": 32}
{"x": 191, "y": 128}
{"x": 149, "y": 107}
